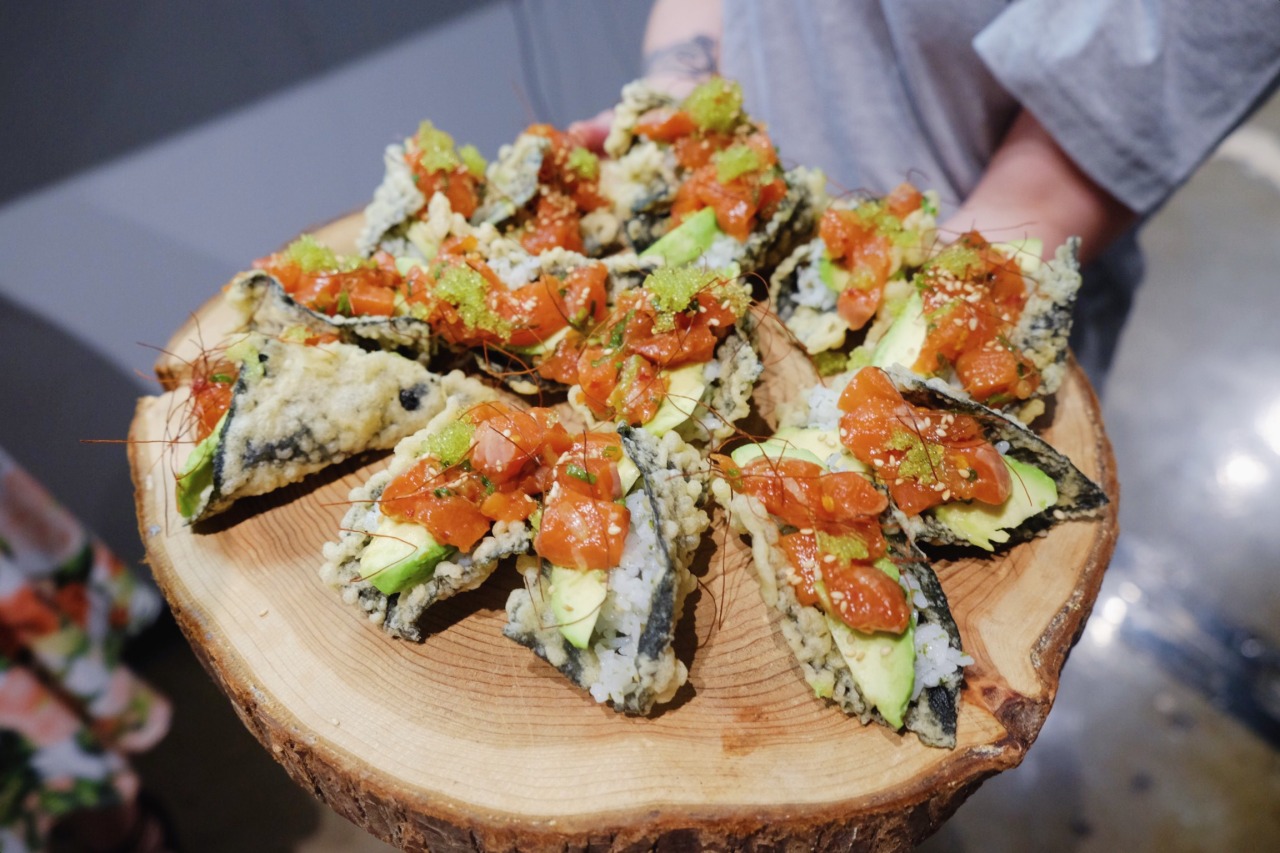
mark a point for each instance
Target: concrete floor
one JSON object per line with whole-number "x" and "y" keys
{"x": 1166, "y": 731}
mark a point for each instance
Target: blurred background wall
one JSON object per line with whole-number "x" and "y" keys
{"x": 83, "y": 82}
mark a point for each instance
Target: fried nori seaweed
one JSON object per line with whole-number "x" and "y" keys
{"x": 1078, "y": 496}
{"x": 298, "y": 409}
{"x": 269, "y": 309}
{"x": 401, "y": 614}
{"x": 650, "y": 673}
{"x": 932, "y": 714}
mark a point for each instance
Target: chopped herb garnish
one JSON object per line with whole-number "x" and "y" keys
{"x": 225, "y": 378}
{"x": 584, "y": 164}
{"x": 344, "y": 303}
{"x": 575, "y": 470}
{"x": 619, "y": 331}
{"x": 443, "y": 492}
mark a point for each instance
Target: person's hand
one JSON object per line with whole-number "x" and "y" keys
{"x": 681, "y": 49}
{"x": 1031, "y": 186}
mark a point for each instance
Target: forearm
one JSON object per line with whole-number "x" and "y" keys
{"x": 682, "y": 43}
{"x": 1032, "y": 188}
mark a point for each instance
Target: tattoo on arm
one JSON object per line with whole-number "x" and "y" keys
{"x": 693, "y": 59}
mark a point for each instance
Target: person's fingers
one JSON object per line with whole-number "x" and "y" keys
{"x": 590, "y": 133}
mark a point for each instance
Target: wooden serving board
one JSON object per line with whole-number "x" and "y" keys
{"x": 468, "y": 741}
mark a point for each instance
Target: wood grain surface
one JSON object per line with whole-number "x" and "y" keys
{"x": 468, "y": 741}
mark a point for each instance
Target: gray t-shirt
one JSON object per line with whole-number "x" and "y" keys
{"x": 880, "y": 91}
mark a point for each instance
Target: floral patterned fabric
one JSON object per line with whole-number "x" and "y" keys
{"x": 70, "y": 711}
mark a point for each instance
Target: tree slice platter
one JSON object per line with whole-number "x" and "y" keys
{"x": 467, "y": 741}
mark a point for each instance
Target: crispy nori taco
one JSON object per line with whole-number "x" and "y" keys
{"x": 920, "y": 330}
{"x": 819, "y": 296}
{"x": 296, "y": 409}
{"x": 429, "y": 189}
{"x": 267, "y": 308}
{"x": 672, "y": 334}
{"x": 906, "y": 679}
{"x": 1075, "y": 496}
{"x": 394, "y": 586}
{"x": 628, "y": 659}
{"x": 1044, "y": 486}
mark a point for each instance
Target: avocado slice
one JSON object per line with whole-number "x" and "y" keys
{"x": 883, "y": 665}
{"x": 773, "y": 449}
{"x": 197, "y": 473}
{"x": 981, "y": 524}
{"x": 687, "y": 241}
{"x": 904, "y": 339}
{"x": 576, "y": 598}
{"x": 401, "y": 554}
{"x": 628, "y": 473}
{"x": 685, "y": 387}
{"x": 544, "y": 346}
{"x": 821, "y": 443}
{"x": 834, "y": 276}
{"x": 1026, "y": 252}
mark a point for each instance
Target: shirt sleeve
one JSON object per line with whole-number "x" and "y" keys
{"x": 1137, "y": 92}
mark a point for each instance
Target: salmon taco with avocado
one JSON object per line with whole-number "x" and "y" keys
{"x": 676, "y": 354}
{"x": 455, "y": 500}
{"x": 606, "y": 524}
{"x": 430, "y": 189}
{"x": 698, "y": 181}
{"x": 271, "y": 410}
{"x": 865, "y": 252}
{"x": 990, "y": 320}
{"x": 957, "y": 472}
{"x": 544, "y": 191}
{"x": 860, "y": 608}
{"x": 606, "y": 584}
{"x": 360, "y": 301}
{"x": 508, "y": 310}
